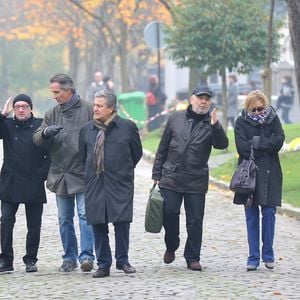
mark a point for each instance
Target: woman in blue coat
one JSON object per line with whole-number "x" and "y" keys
{"x": 260, "y": 127}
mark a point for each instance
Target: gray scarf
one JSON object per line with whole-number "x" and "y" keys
{"x": 99, "y": 144}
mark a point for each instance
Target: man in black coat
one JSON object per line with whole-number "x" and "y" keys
{"x": 110, "y": 147}
{"x": 180, "y": 168}
{"x": 23, "y": 173}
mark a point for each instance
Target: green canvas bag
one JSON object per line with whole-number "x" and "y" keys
{"x": 154, "y": 211}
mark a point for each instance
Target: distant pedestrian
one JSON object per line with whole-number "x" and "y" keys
{"x": 108, "y": 84}
{"x": 181, "y": 170}
{"x": 233, "y": 92}
{"x": 59, "y": 132}
{"x": 24, "y": 170}
{"x": 110, "y": 148}
{"x": 155, "y": 100}
{"x": 97, "y": 85}
{"x": 286, "y": 98}
{"x": 260, "y": 127}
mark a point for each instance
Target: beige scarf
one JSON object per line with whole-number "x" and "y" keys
{"x": 99, "y": 144}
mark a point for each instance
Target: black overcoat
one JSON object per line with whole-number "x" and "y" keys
{"x": 25, "y": 166}
{"x": 269, "y": 175}
{"x": 181, "y": 161}
{"x": 112, "y": 190}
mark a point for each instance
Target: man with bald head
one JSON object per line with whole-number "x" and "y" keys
{"x": 97, "y": 85}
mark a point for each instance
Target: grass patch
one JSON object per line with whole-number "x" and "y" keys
{"x": 152, "y": 139}
{"x": 290, "y": 163}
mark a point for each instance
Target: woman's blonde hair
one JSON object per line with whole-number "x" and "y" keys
{"x": 253, "y": 97}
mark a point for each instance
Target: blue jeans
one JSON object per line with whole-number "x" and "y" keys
{"x": 65, "y": 206}
{"x": 268, "y": 231}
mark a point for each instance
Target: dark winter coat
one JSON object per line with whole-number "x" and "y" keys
{"x": 112, "y": 191}
{"x": 233, "y": 92}
{"x": 182, "y": 156}
{"x": 25, "y": 166}
{"x": 269, "y": 175}
{"x": 66, "y": 174}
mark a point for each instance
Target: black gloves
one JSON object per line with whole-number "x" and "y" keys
{"x": 51, "y": 131}
{"x": 255, "y": 142}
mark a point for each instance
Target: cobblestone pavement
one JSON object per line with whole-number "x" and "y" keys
{"x": 223, "y": 256}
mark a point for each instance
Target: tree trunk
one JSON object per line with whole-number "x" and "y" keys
{"x": 294, "y": 27}
{"x": 73, "y": 60}
{"x": 4, "y": 74}
{"x": 224, "y": 98}
{"x": 267, "y": 73}
{"x": 123, "y": 58}
{"x": 193, "y": 82}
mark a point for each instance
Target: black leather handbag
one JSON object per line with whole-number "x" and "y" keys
{"x": 244, "y": 177}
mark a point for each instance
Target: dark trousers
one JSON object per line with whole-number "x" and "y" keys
{"x": 34, "y": 221}
{"x": 194, "y": 204}
{"x": 102, "y": 247}
{"x": 232, "y": 121}
{"x": 285, "y": 115}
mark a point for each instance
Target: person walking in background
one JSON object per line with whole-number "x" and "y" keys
{"x": 110, "y": 147}
{"x": 97, "y": 85}
{"x": 180, "y": 169}
{"x": 233, "y": 92}
{"x": 59, "y": 132}
{"x": 155, "y": 100}
{"x": 108, "y": 84}
{"x": 24, "y": 170}
{"x": 260, "y": 127}
{"x": 286, "y": 98}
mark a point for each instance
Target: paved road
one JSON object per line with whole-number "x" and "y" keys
{"x": 223, "y": 257}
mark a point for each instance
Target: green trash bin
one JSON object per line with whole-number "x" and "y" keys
{"x": 132, "y": 106}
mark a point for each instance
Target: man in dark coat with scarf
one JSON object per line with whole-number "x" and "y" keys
{"x": 59, "y": 132}
{"x": 24, "y": 170}
{"x": 110, "y": 148}
{"x": 181, "y": 170}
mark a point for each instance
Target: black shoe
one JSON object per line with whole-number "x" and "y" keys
{"x": 194, "y": 266}
{"x": 5, "y": 266}
{"x": 127, "y": 268}
{"x": 31, "y": 267}
{"x": 101, "y": 272}
{"x": 87, "y": 265}
{"x": 169, "y": 257}
{"x": 68, "y": 266}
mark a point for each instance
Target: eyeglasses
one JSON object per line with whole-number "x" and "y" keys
{"x": 259, "y": 109}
{"x": 18, "y": 107}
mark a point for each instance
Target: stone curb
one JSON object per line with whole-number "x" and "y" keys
{"x": 285, "y": 209}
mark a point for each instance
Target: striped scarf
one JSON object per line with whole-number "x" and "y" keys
{"x": 99, "y": 144}
{"x": 260, "y": 118}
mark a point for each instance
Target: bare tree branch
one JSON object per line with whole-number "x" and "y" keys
{"x": 96, "y": 17}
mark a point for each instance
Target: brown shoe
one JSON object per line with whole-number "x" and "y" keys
{"x": 169, "y": 257}
{"x": 194, "y": 266}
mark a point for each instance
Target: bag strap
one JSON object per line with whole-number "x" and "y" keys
{"x": 251, "y": 153}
